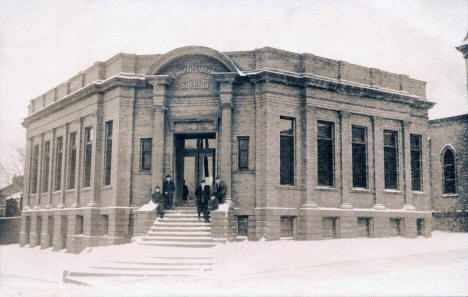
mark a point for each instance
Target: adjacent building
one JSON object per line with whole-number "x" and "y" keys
{"x": 309, "y": 147}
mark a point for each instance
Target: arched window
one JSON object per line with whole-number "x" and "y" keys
{"x": 449, "y": 171}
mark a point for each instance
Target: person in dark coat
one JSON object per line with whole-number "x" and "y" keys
{"x": 219, "y": 190}
{"x": 158, "y": 198}
{"x": 212, "y": 205}
{"x": 206, "y": 198}
{"x": 185, "y": 192}
{"x": 199, "y": 198}
{"x": 168, "y": 191}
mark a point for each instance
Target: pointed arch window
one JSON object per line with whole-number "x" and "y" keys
{"x": 449, "y": 171}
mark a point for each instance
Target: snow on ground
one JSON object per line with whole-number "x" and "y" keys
{"x": 381, "y": 266}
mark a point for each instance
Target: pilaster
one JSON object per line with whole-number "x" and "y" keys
{"x": 160, "y": 85}
{"x": 98, "y": 143}
{"x": 225, "y": 96}
{"x": 345, "y": 160}
{"x": 311, "y": 157}
{"x": 408, "y": 192}
{"x": 378, "y": 151}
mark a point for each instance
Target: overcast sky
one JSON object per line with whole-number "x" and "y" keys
{"x": 43, "y": 43}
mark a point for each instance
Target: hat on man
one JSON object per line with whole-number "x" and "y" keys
{"x": 218, "y": 177}
{"x": 168, "y": 175}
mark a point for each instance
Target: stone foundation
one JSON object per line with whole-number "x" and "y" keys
{"x": 74, "y": 229}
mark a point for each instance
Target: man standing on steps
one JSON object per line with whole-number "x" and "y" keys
{"x": 199, "y": 198}
{"x": 168, "y": 191}
{"x": 158, "y": 198}
{"x": 219, "y": 190}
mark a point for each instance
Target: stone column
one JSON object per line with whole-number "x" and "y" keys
{"x": 160, "y": 85}
{"x": 40, "y": 173}
{"x": 311, "y": 159}
{"x": 225, "y": 96}
{"x": 377, "y": 139}
{"x": 27, "y": 174}
{"x": 78, "y": 167}
{"x": 97, "y": 151}
{"x": 408, "y": 191}
{"x": 345, "y": 160}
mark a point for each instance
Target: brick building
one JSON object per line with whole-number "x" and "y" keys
{"x": 309, "y": 147}
{"x": 449, "y": 163}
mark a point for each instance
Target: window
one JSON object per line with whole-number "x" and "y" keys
{"x": 88, "y": 156}
{"x": 325, "y": 153}
{"x": 72, "y": 161}
{"x": 243, "y": 149}
{"x": 391, "y": 159}
{"x": 396, "y": 226}
{"x": 58, "y": 163}
{"x": 242, "y": 225}
{"x": 287, "y": 133}
{"x": 79, "y": 225}
{"x": 145, "y": 154}
{"x": 45, "y": 171}
{"x": 105, "y": 224}
{"x": 287, "y": 226}
{"x": 330, "y": 227}
{"x": 416, "y": 162}
{"x": 449, "y": 176}
{"x": 35, "y": 167}
{"x": 108, "y": 154}
{"x": 359, "y": 147}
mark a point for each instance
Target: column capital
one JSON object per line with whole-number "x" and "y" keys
{"x": 159, "y": 80}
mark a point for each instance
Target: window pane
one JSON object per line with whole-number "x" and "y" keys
{"x": 389, "y": 138}
{"x": 286, "y": 160}
{"x": 145, "y": 151}
{"x": 45, "y": 178}
{"x": 108, "y": 154}
{"x": 72, "y": 162}
{"x": 391, "y": 168}
{"x": 58, "y": 164}
{"x": 325, "y": 162}
{"x": 243, "y": 144}
{"x": 359, "y": 134}
{"x": 243, "y": 149}
{"x": 416, "y": 162}
{"x": 359, "y": 166}
{"x": 35, "y": 164}
{"x": 324, "y": 130}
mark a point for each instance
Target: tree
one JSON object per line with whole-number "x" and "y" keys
{"x": 13, "y": 166}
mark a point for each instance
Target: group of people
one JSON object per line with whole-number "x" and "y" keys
{"x": 207, "y": 199}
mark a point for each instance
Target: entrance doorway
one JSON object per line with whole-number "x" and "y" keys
{"x": 195, "y": 161}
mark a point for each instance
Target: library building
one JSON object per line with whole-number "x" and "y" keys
{"x": 308, "y": 147}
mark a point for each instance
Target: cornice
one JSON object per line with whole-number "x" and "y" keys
{"x": 99, "y": 86}
{"x": 334, "y": 85}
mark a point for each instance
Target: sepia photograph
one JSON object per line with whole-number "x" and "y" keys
{"x": 233, "y": 148}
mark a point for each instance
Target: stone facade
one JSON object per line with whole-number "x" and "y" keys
{"x": 193, "y": 106}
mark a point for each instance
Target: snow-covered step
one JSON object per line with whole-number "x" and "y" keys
{"x": 175, "y": 224}
{"x": 181, "y": 216}
{"x": 180, "y": 267}
{"x": 93, "y": 272}
{"x": 178, "y": 220}
{"x": 160, "y": 228}
{"x": 167, "y": 262}
{"x": 168, "y": 243}
{"x": 178, "y": 239}
{"x": 178, "y": 234}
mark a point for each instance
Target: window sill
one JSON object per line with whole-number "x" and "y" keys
{"x": 87, "y": 189}
{"x": 325, "y": 188}
{"x": 56, "y": 192}
{"x": 70, "y": 190}
{"x": 360, "y": 190}
{"x": 418, "y": 193}
{"x": 104, "y": 188}
{"x": 450, "y": 195}
{"x": 389, "y": 191}
{"x": 244, "y": 172}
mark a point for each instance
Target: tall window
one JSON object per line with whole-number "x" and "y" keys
{"x": 449, "y": 177}
{"x": 35, "y": 167}
{"x": 145, "y": 154}
{"x": 391, "y": 159}
{"x": 325, "y": 153}
{"x": 416, "y": 162}
{"x": 72, "y": 161}
{"x": 58, "y": 163}
{"x": 243, "y": 152}
{"x": 359, "y": 143}
{"x": 287, "y": 133}
{"x": 88, "y": 156}
{"x": 108, "y": 154}
{"x": 45, "y": 171}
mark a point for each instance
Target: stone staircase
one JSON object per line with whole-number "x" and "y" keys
{"x": 177, "y": 245}
{"x": 180, "y": 227}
